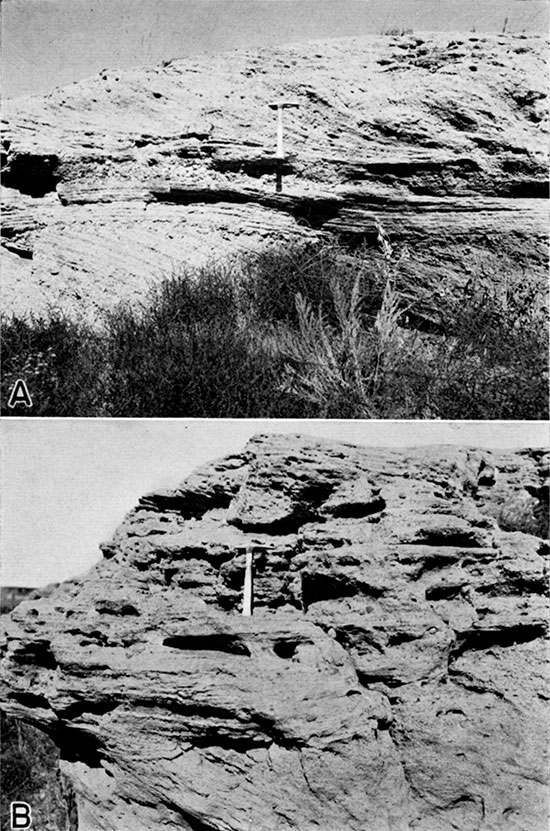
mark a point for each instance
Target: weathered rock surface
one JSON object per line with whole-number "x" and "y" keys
{"x": 394, "y": 674}
{"x": 114, "y": 182}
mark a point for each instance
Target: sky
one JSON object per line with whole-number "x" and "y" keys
{"x": 66, "y": 484}
{"x": 49, "y": 43}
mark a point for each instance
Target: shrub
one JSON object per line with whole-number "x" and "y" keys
{"x": 304, "y": 331}
{"x": 189, "y": 352}
{"x": 30, "y": 773}
{"x": 190, "y": 370}
{"x": 487, "y": 361}
{"x": 493, "y": 356}
{"x": 270, "y": 280}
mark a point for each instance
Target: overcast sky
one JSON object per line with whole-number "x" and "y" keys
{"x": 66, "y": 484}
{"x": 49, "y": 43}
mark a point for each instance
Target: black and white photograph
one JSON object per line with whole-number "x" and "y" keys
{"x": 274, "y": 415}
{"x": 225, "y": 626}
{"x": 275, "y": 208}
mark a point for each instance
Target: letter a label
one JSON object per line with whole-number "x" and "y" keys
{"x": 21, "y": 816}
{"x": 19, "y": 395}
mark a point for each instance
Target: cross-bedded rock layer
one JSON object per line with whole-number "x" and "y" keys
{"x": 113, "y": 182}
{"x": 393, "y": 675}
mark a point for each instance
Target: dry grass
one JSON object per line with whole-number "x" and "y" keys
{"x": 308, "y": 331}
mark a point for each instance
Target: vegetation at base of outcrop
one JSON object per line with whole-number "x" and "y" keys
{"x": 30, "y": 773}
{"x": 299, "y": 331}
{"x": 393, "y": 674}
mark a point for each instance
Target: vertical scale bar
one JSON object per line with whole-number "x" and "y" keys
{"x": 247, "y": 594}
{"x": 279, "y": 154}
{"x": 279, "y": 131}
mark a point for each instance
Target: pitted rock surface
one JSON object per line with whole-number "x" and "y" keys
{"x": 114, "y": 182}
{"x": 393, "y": 675}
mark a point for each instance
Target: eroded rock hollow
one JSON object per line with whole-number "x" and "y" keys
{"x": 393, "y": 674}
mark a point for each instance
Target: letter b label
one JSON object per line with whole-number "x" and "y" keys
{"x": 21, "y": 815}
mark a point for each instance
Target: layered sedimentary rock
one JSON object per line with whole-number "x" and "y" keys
{"x": 114, "y": 182}
{"x": 393, "y": 674}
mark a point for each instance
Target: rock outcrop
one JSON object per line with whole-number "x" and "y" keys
{"x": 393, "y": 675}
{"x": 114, "y": 182}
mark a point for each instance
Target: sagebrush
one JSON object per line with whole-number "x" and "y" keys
{"x": 301, "y": 331}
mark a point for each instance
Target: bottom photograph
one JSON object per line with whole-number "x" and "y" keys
{"x": 274, "y": 626}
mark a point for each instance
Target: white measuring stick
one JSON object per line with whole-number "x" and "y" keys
{"x": 247, "y": 594}
{"x": 280, "y": 106}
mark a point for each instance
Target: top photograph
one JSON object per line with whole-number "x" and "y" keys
{"x": 302, "y": 209}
